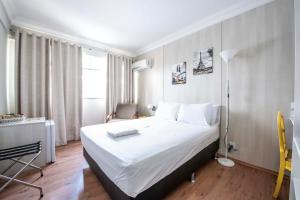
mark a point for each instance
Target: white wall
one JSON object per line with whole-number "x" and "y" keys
{"x": 93, "y": 111}
{"x": 198, "y": 88}
{"x": 296, "y": 154}
{"x": 3, "y": 41}
{"x": 150, "y": 82}
{"x": 262, "y": 80}
{"x": 297, "y": 69}
{"x": 262, "y": 77}
{"x": 94, "y": 89}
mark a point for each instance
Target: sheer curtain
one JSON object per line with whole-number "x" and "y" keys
{"x": 119, "y": 81}
{"x": 33, "y": 73}
{"x": 66, "y": 90}
{"x": 128, "y": 80}
{"x": 114, "y": 82}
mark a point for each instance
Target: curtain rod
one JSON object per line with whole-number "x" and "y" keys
{"x": 14, "y": 29}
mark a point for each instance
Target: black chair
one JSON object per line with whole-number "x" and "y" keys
{"x": 15, "y": 154}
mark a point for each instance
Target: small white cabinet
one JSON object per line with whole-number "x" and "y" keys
{"x": 26, "y": 132}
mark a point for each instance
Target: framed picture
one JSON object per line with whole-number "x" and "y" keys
{"x": 203, "y": 61}
{"x": 179, "y": 73}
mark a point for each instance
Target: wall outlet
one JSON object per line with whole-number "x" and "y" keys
{"x": 232, "y": 146}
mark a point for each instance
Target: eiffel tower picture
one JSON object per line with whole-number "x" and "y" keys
{"x": 203, "y": 62}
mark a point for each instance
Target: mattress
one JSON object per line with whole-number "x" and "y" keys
{"x": 136, "y": 162}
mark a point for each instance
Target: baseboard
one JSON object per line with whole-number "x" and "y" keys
{"x": 274, "y": 173}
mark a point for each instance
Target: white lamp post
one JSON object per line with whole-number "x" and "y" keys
{"x": 227, "y": 55}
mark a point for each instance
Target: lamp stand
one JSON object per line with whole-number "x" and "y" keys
{"x": 226, "y": 161}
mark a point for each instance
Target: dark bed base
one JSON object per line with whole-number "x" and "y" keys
{"x": 164, "y": 186}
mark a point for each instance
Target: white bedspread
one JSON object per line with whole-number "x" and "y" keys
{"x": 136, "y": 162}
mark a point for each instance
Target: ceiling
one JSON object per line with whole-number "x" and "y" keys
{"x": 130, "y": 25}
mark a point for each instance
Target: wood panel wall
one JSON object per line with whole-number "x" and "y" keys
{"x": 198, "y": 88}
{"x": 262, "y": 77}
{"x": 150, "y": 81}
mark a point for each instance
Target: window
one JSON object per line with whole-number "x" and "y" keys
{"x": 94, "y": 76}
{"x": 10, "y": 76}
{"x": 136, "y": 85}
{"x": 94, "y": 65}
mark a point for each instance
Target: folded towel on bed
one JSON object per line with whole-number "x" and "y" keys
{"x": 121, "y": 131}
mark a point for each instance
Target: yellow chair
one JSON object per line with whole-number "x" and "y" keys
{"x": 285, "y": 154}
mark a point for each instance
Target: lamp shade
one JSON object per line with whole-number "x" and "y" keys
{"x": 227, "y": 55}
{"x": 151, "y": 107}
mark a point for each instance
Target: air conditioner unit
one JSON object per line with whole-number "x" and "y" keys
{"x": 141, "y": 65}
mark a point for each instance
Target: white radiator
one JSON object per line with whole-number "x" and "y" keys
{"x": 50, "y": 141}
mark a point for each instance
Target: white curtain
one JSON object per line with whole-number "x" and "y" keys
{"x": 32, "y": 62}
{"x": 66, "y": 90}
{"x": 119, "y": 82}
{"x": 50, "y": 82}
{"x": 128, "y": 80}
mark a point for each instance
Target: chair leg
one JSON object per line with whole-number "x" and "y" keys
{"x": 13, "y": 178}
{"x": 278, "y": 182}
{"x": 29, "y": 165}
{"x": 193, "y": 177}
{"x": 21, "y": 182}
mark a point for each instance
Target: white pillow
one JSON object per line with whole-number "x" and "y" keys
{"x": 199, "y": 114}
{"x": 167, "y": 110}
{"x": 215, "y": 115}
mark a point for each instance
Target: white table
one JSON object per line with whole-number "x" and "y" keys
{"x": 26, "y": 132}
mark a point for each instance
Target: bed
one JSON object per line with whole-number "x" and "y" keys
{"x": 152, "y": 163}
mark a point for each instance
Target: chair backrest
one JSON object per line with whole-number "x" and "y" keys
{"x": 126, "y": 111}
{"x": 281, "y": 137}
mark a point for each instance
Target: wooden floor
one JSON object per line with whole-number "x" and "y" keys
{"x": 70, "y": 178}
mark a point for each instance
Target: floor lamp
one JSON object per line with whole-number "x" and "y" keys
{"x": 227, "y": 56}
